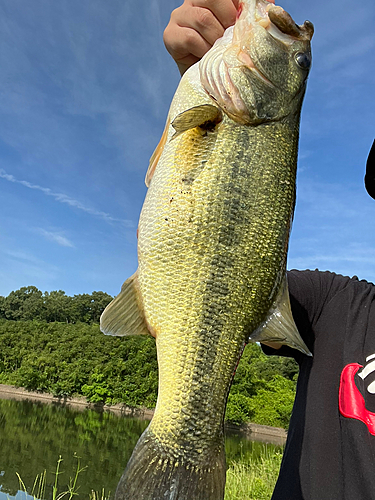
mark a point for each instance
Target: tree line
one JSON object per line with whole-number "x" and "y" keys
{"x": 29, "y": 303}
{"x": 51, "y": 342}
{"x": 77, "y": 359}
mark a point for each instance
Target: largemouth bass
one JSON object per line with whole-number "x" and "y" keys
{"x": 213, "y": 239}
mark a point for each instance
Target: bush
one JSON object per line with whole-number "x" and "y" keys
{"x": 263, "y": 389}
{"x": 238, "y": 409}
{"x": 67, "y": 360}
{"x": 273, "y": 403}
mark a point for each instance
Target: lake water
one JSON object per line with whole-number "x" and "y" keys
{"x": 34, "y": 435}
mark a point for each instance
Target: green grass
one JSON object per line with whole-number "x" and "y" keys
{"x": 247, "y": 479}
{"x": 38, "y": 490}
{"x": 253, "y": 479}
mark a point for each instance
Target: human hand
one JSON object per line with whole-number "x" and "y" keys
{"x": 195, "y": 26}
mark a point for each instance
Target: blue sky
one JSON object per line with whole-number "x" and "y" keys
{"x": 84, "y": 91}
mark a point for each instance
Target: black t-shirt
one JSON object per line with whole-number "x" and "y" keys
{"x": 330, "y": 450}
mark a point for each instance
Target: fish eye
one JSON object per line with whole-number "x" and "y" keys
{"x": 303, "y": 60}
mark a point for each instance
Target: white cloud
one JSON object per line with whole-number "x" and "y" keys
{"x": 56, "y": 237}
{"x": 21, "y": 256}
{"x": 63, "y": 198}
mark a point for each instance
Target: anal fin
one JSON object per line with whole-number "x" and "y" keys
{"x": 279, "y": 326}
{"x": 125, "y": 315}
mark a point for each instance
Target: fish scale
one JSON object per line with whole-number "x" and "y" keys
{"x": 212, "y": 248}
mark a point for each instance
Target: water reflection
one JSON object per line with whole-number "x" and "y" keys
{"x": 34, "y": 435}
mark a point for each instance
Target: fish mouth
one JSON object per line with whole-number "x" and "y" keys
{"x": 274, "y": 19}
{"x": 286, "y": 25}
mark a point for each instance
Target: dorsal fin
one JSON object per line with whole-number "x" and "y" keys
{"x": 155, "y": 157}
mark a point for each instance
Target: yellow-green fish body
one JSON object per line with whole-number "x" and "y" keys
{"x": 213, "y": 238}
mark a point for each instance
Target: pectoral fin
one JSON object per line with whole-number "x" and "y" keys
{"x": 279, "y": 326}
{"x": 124, "y": 315}
{"x": 155, "y": 157}
{"x": 204, "y": 116}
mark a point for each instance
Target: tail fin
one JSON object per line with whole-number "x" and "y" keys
{"x": 154, "y": 474}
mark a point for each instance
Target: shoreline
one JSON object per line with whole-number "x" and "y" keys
{"x": 257, "y": 432}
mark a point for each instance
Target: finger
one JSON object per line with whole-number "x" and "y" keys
{"x": 185, "y": 63}
{"x": 185, "y": 45}
{"x": 200, "y": 19}
{"x": 225, "y": 11}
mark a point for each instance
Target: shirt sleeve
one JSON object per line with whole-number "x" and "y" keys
{"x": 310, "y": 292}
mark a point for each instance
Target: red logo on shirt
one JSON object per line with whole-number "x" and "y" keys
{"x": 351, "y": 401}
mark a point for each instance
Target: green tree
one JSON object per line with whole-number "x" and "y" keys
{"x": 67, "y": 359}
{"x": 2, "y": 307}
{"x": 263, "y": 389}
{"x": 273, "y": 403}
{"x": 29, "y": 303}
{"x": 24, "y": 304}
{"x": 57, "y": 306}
{"x": 99, "y": 302}
{"x": 80, "y": 308}
{"x": 88, "y": 308}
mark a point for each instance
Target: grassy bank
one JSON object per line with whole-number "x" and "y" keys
{"x": 253, "y": 479}
{"x": 247, "y": 479}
